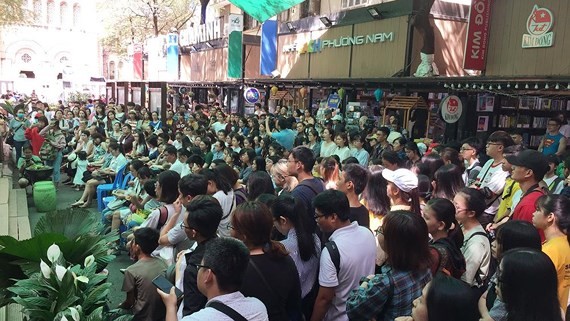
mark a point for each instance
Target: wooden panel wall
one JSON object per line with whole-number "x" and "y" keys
{"x": 506, "y": 57}
{"x": 331, "y": 62}
{"x": 292, "y": 64}
{"x": 380, "y": 59}
{"x": 209, "y": 65}
{"x": 252, "y": 56}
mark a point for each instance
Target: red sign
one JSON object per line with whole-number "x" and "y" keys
{"x": 477, "y": 35}
{"x": 137, "y": 61}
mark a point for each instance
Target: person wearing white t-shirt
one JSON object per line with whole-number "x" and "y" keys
{"x": 171, "y": 157}
{"x": 357, "y": 250}
{"x": 221, "y": 189}
{"x": 492, "y": 177}
{"x": 554, "y": 183}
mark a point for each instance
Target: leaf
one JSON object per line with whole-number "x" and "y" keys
{"x": 67, "y": 293}
{"x": 99, "y": 294}
{"x": 71, "y": 222}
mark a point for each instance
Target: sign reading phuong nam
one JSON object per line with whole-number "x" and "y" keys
{"x": 317, "y": 45}
{"x": 538, "y": 25}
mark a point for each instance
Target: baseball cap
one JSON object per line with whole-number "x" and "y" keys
{"x": 531, "y": 159}
{"x": 403, "y": 178}
{"x": 371, "y": 137}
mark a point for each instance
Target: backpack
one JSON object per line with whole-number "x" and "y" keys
{"x": 163, "y": 218}
{"x": 482, "y": 285}
{"x": 447, "y": 265}
{"x": 554, "y": 184}
{"x": 334, "y": 253}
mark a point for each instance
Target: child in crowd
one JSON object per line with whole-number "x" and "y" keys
{"x": 27, "y": 160}
{"x": 80, "y": 170}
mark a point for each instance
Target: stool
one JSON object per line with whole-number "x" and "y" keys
{"x": 44, "y": 196}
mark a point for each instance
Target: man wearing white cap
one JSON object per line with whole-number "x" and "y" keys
{"x": 402, "y": 190}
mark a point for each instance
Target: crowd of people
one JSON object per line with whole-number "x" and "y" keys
{"x": 298, "y": 216}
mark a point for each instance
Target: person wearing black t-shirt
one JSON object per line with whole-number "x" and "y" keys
{"x": 352, "y": 181}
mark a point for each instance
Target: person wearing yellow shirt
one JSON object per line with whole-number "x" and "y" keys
{"x": 553, "y": 217}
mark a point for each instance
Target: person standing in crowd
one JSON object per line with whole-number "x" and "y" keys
{"x": 52, "y": 149}
{"x": 469, "y": 206}
{"x": 382, "y": 143}
{"x": 352, "y": 182}
{"x": 127, "y": 139}
{"x": 402, "y": 190}
{"x": 529, "y": 167}
{"x": 342, "y": 150}
{"x": 271, "y": 275}
{"x": 285, "y": 136}
{"x": 553, "y": 141}
{"x": 444, "y": 299}
{"x": 18, "y": 126}
{"x": 300, "y": 165}
{"x": 412, "y": 154}
{"x": 359, "y": 152}
{"x": 523, "y": 271}
{"x": 511, "y": 235}
{"x": 303, "y": 245}
{"x": 328, "y": 146}
{"x": 142, "y": 297}
{"x": 447, "y": 237}
{"x": 447, "y": 181}
{"x": 552, "y": 216}
{"x": 33, "y": 134}
{"x": 384, "y": 296}
{"x": 491, "y": 178}
{"x": 470, "y": 153}
{"x": 554, "y": 183}
{"x": 352, "y": 257}
{"x": 220, "y": 276}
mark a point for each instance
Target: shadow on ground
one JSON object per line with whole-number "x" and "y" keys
{"x": 65, "y": 197}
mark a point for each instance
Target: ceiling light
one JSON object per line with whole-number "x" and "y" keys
{"x": 535, "y": 86}
{"x": 375, "y": 13}
{"x": 546, "y": 87}
{"x": 500, "y": 88}
{"x": 516, "y": 86}
{"x": 290, "y": 26}
{"x": 509, "y": 85}
{"x": 326, "y": 21}
{"x": 557, "y": 86}
{"x": 526, "y": 86}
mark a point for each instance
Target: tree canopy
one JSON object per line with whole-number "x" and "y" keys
{"x": 132, "y": 21}
{"x": 13, "y": 12}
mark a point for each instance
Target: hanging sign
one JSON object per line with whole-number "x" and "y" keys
{"x": 333, "y": 101}
{"x": 251, "y": 95}
{"x": 538, "y": 25}
{"x": 477, "y": 35}
{"x": 451, "y": 109}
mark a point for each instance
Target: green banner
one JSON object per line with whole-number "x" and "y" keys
{"x": 262, "y": 10}
{"x": 235, "y": 54}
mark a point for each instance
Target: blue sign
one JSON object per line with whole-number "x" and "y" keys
{"x": 251, "y": 95}
{"x": 333, "y": 101}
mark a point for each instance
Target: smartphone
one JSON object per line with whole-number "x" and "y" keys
{"x": 164, "y": 285}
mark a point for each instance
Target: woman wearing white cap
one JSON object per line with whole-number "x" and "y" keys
{"x": 402, "y": 190}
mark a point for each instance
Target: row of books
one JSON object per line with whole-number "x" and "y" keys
{"x": 521, "y": 121}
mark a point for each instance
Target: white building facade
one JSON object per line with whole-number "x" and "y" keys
{"x": 55, "y": 53}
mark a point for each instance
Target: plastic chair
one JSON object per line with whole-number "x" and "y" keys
{"x": 104, "y": 189}
{"x": 123, "y": 186}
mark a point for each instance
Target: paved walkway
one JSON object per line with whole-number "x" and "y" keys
{"x": 66, "y": 196}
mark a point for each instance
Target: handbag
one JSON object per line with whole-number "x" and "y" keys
{"x": 10, "y": 139}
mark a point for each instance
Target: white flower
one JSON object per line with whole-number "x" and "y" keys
{"x": 83, "y": 279}
{"x": 46, "y": 270}
{"x": 89, "y": 261}
{"x": 63, "y": 318}
{"x": 53, "y": 253}
{"x": 60, "y": 272}
{"x": 74, "y": 313}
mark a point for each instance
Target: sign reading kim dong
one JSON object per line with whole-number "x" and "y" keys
{"x": 538, "y": 25}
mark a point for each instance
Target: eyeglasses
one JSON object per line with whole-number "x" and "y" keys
{"x": 379, "y": 230}
{"x": 494, "y": 144}
{"x": 464, "y": 149}
{"x": 317, "y": 216}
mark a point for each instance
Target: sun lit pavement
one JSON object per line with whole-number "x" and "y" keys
{"x": 66, "y": 196}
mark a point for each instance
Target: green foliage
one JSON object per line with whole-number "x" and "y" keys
{"x": 14, "y": 12}
{"x": 78, "y": 96}
{"x": 77, "y": 232}
{"x": 11, "y": 108}
{"x": 58, "y": 292}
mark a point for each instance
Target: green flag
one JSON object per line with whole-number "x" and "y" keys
{"x": 262, "y": 10}
{"x": 235, "y": 54}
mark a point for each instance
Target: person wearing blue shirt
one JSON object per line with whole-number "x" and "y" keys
{"x": 284, "y": 136}
{"x": 553, "y": 143}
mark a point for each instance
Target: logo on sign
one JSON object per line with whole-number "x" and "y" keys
{"x": 451, "y": 109}
{"x": 538, "y": 25}
{"x": 251, "y": 95}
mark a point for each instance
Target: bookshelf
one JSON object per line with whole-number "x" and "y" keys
{"x": 527, "y": 112}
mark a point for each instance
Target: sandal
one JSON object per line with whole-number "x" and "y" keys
{"x": 85, "y": 205}
{"x": 77, "y": 204}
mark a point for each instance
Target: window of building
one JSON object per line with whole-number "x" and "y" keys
{"x": 63, "y": 16}
{"x": 26, "y": 58}
{"x": 348, "y": 4}
{"x": 38, "y": 10}
{"x": 76, "y": 15}
{"x": 51, "y": 13}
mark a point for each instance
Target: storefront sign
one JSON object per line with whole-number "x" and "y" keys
{"x": 209, "y": 31}
{"x": 477, "y": 35}
{"x": 251, "y": 95}
{"x": 333, "y": 101}
{"x": 317, "y": 45}
{"x": 451, "y": 109}
{"x": 538, "y": 25}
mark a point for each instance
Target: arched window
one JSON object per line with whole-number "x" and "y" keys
{"x": 112, "y": 70}
{"x": 38, "y": 10}
{"x": 76, "y": 15}
{"x": 63, "y": 16}
{"x": 51, "y": 13}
